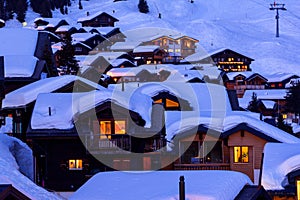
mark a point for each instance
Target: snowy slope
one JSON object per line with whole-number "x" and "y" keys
{"x": 246, "y": 26}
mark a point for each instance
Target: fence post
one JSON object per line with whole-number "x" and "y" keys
{"x": 181, "y": 188}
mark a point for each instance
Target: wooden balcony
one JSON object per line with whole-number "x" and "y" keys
{"x": 206, "y": 166}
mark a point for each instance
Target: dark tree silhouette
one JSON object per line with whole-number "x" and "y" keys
{"x": 143, "y": 6}
{"x": 293, "y": 99}
{"x": 254, "y": 103}
{"x": 66, "y": 60}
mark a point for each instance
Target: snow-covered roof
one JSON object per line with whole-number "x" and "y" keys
{"x": 179, "y": 123}
{"x": 184, "y": 75}
{"x": 2, "y": 21}
{"x": 121, "y": 72}
{"x": 81, "y": 37}
{"x": 18, "y": 41}
{"x": 232, "y": 75}
{"x": 293, "y": 82}
{"x": 19, "y": 65}
{"x": 145, "y": 49}
{"x": 90, "y": 17}
{"x": 118, "y": 62}
{"x": 271, "y": 94}
{"x": 127, "y": 45}
{"x": 105, "y": 30}
{"x": 278, "y": 77}
{"x": 29, "y": 93}
{"x": 221, "y": 185}
{"x": 279, "y": 160}
{"x": 198, "y": 56}
{"x": 64, "y": 28}
{"x": 67, "y": 106}
{"x": 268, "y": 104}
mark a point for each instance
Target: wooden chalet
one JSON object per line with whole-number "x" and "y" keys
{"x": 100, "y": 19}
{"x": 27, "y": 62}
{"x": 9, "y": 192}
{"x": 101, "y": 141}
{"x": 114, "y": 34}
{"x": 49, "y": 24}
{"x": 241, "y": 81}
{"x": 95, "y": 41}
{"x": 150, "y": 54}
{"x": 226, "y": 59}
{"x": 21, "y": 110}
{"x": 177, "y": 43}
{"x": 66, "y": 30}
{"x": 239, "y": 148}
{"x": 279, "y": 80}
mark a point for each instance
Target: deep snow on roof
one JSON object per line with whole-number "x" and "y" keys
{"x": 19, "y": 65}
{"x": 66, "y": 106}
{"x": 29, "y": 93}
{"x": 266, "y": 94}
{"x": 178, "y": 123}
{"x": 213, "y": 185}
{"x": 278, "y": 77}
{"x": 279, "y": 160}
{"x": 145, "y": 49}
{"x": 18, "y": 41}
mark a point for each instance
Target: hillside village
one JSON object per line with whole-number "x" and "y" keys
{"x": 84, "y": 99}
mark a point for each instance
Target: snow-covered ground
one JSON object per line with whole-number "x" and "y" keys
{"x": 163, "y": 185}
{"x": 16, "y": 167}
{"x": 246, "y": 26}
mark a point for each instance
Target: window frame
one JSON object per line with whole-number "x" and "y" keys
{"x": 112, "y": 128}
{"x": 240, "y": 159}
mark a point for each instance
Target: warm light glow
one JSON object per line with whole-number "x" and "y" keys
{"x": 228, "y": 63}
{"x": 241, "y": 154}
{"x": 105, "y": 127}
{"x": 170, "y": 103}
{"x": 284, "y": 116}
{"x": 75, "y": 164}
{"x": 158, "y": 101}
{"x": 24, "y": 24}
{"x": 120, "y": 127}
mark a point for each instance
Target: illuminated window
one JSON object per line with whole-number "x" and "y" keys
{"x": 158, "y": 101}
{"x": 272, "y": 85}
{"x": 170, "y": 103}
{"x": 120, "y": 126}
{"x": 279, "y": 84}
{"x": 148, "y": 62}
{"x": 229, "y": 59}
{"x": 75, "y": 164}
{"x": 241, "y": 154}
{"x": 284, "y": 116}
{"x": 107, "y": 128}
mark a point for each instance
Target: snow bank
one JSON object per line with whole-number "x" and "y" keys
{"x": 16, "y": 168}
{"x": 163, "y": 185}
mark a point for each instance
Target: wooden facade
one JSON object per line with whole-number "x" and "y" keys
{"x": 102, "y": 144}
{"x": 239, "y": 149}
{"x": 240, "y": 83}
{"x": 149, "y": 57}
{"x": 98, "y": 20}
{"x": 183, "y": 45}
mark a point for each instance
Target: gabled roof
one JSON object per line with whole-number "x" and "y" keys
{"x": 66, "y": 107}
{"x": 225, "y": 124}
{"x": 198, "y": 56}
{"x": 82, "y": 37}
{"x": 248, "y": 75}
{"x": 125, "y": 46}
{"x": 279, "y": 77}
{"x": 91, "y": 17}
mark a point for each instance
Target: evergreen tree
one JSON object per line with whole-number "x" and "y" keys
{"x": 21, "y": 9}
{"x": 254, "y": 103}
{"x": 66, "y": 60}
{"x": 143, "y": 6}
{"x": 293, "y": 99}
{"x": 2, "y": 10}
{"x": 80, "y": 5}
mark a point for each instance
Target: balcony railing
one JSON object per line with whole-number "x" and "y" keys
{"x": 249, "y": 87}
{"x": 113, "y": 143}
{"x": 206, "y": 166}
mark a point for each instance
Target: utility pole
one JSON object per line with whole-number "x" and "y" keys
{"x": 277, "y": 7}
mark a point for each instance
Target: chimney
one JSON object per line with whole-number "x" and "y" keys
{"x": 157, "y": 118}
{"x": 2, "y": 94}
